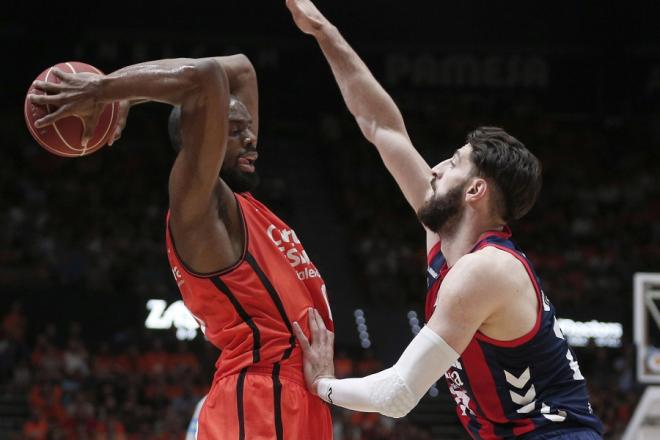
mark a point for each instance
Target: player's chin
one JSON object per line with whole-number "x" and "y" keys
{"x": 247, "y": 168}
{"x": 240, "y": 181}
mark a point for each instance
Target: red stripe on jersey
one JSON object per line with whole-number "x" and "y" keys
{"x": 537, "y": 325}
{"x": 524, "y": 426}
{"x": 504, "y": 233}
{"x": 482, "y": 385}
{"x": 434, "y": 250}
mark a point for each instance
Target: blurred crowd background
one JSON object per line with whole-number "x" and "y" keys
{"x": 82, "y": 241}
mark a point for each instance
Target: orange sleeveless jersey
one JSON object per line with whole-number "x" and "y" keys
{"x": 247, "y": 310}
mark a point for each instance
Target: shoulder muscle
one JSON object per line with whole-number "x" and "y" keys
{"x": 477, "y": 285}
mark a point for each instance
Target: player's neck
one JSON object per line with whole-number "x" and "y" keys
{"x": 464, "y": 237}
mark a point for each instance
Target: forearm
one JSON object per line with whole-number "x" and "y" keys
{"x": 365, "y": 98}
{"x": 171, "y": 81}
{"x": 396, "y": 390}
{"x": 383, "y": 392}
{"x": 377, "y": 115}
{"x": 238, "y": 68}
{"x": 240, "y": 72}
{"x": 242, "y": 79}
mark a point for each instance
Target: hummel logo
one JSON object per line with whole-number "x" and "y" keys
{"x": 554, "y": 416}
{"x": 518, "y": 382}
{"x": 523, "y": 400}
{"x": 330, "y": 395}
{"x": 527, "y": 402}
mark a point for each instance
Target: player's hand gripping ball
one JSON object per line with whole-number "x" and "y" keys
{"x": 62, "y": 113}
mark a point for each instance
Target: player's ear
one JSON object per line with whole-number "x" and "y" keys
{"x": 476, "y": 189}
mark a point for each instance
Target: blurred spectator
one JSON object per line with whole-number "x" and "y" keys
{"x": 14, "y": 323}
{"x": 36, "y": 427}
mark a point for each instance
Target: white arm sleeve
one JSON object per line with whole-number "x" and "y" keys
{"x": 397, "y": 390}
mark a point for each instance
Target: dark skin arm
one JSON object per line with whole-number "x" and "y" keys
{"x": 242, "y": 84}
{"x": 209, "y": 240}
{"x": 216, "y": 239}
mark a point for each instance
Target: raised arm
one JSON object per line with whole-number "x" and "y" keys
{"x": 243, "y": 84}
{"x": 242, "y": 80}
{"x": 374, "y": 110}
{"x": 204, "y": 128}
{"x": 199, "y": 87}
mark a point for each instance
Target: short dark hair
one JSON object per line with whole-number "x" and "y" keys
{"x": 517, "y": 173}
{"x": 174, "y": 128}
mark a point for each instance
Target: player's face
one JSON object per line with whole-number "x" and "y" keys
{"x": 238, "y": 168}
{"x": 445, "y": 202}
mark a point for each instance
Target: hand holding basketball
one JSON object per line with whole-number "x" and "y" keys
{"x": 124, "y": 108}
{"x": 64, "y": 112}
{"x": 74, "y": 95}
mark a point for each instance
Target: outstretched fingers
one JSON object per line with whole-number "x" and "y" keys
{"x": 47, "y": 87}
{"x": 304, "y": 342}
{"x": 50, "y": 118}
{"x": 323, "y": 331}
{"x": 321, "y": 337}
{"x": 55, "y": 100}
{"x": 62, "y": 74}
{"x": 313, "y": 325}
{"x": 88, "y": 128}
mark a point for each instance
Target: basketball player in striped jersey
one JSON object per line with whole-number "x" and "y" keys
{"x": 242, "y": 272}
{"x": 491, "y": 330}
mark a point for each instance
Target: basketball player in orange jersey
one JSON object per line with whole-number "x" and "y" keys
{"x": 241, "y": 271}
{"x": 491, "y": 330}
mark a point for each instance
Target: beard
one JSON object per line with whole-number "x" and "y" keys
{"x": 442, "y": 214}
{"x": 239, "y": 181}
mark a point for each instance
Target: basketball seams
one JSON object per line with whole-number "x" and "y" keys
{"x": 93, "y": 147}
{"x": 54, "y": 141}
{"x": 109, "y": 125}
{"x": 73, "y": 70}
{"x": 55, "y": 127}
{"x": 37, "y": 136}
{"x": 111, "y": 117}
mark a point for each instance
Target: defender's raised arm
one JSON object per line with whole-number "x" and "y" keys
{"x": 374, "y": 110}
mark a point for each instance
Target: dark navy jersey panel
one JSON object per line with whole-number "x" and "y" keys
{"x": 513, "y": 389}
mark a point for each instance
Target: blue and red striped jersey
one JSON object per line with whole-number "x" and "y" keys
{"x": 522, "y": 388}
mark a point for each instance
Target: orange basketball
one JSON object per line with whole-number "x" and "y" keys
{"x": 64, "y": 137}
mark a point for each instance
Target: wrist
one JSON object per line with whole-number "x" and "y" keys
{"x": 111, "y": 88}
{"x": 325, "y": 32}
{"x": 322, "y": 387}
{"x": 100, "y": 89}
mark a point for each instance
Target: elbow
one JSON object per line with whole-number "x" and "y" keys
{"x": 244, "y": 65}
{"x": 200, "y": 81}
{"x": 207, "y": 74}
{"x": 398, "y": 408}
{"x": 244, "y": 72}
{"x": 368, "y": 127}
{"x": 398, "y": 415}
{"x": 392, "y": 397}
{"x": 239, "y": 68}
